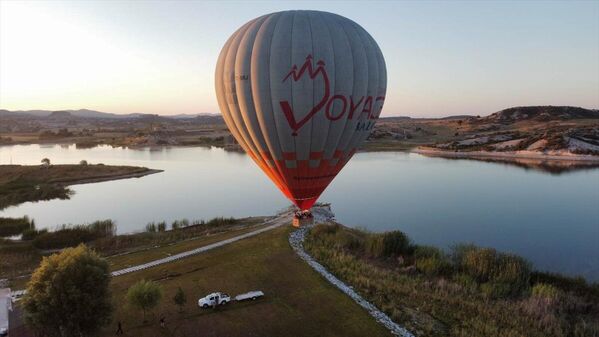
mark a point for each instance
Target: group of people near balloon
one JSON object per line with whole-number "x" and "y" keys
{"x": 301, "y": 215}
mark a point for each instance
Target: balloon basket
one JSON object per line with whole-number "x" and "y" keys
{"x": 302, "y": 219}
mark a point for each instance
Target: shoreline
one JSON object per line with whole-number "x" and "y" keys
{"x": 110, "y": 178}
{"x": 412, "y": 148}
{"x": 514, "y": 156}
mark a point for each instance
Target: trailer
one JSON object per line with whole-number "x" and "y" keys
{"x": 252, "y": 295}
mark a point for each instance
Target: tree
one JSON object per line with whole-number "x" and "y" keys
{"x": 180, "y": 299}
{"x": 144, "y": 295}
{"x": 46, "y": 162}
{"x": 83, "y": 163}
{"x": 68, "y": 294}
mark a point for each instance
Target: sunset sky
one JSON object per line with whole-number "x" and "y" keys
{"x": 443, "y": 58}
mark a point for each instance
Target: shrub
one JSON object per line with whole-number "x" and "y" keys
{"x": 496, "y": 290}
{"x": 144, "y": 295}
{"x": 324, "y": 229}
{"x": 32, "y": 233}
{"x": 62, "y": 238}
{"x": 465, "y": 281}
{"x": 388, "y": 244}
{"x": 69, "y": 236}
{"x": 480, "y": 263}
{"x": 349, "y": 241}
{"x": 15, "y": 226}
{"x": 180, "y": 299}
{"x": 396, "y": 243}
{"x": 421, "y": 252}
{"x": 151, "y": 227}
{"x": 198, "y": 222}
{"x": 102, "y": 227}
{"x": 575, "y": 284}
{"x": 514, "y": 271}
{"x": 459, "y": 251}
{"x": 547, "y": 291}
{"x": 374, "y": 246}
{"x": 433, "y": 266}
{"x": 220, "y": 221}
{"x": 508, "y": 274}
{"x": 177, "y": 224}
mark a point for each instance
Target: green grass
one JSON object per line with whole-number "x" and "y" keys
{"x": 21, "y": 258}
{"x": 298, "y": 301}
{"x": 158, "y": 252}
{"x": 475, "y": 292}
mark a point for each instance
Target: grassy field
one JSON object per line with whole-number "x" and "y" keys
{"x": 20, "y": 258}
{"x": 147, "y": 254}
{"x": 20, "y": 184}
{"x": 298, "y": 301}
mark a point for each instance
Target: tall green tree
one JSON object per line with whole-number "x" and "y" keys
{"x": 144, "y": 295}
{"x": 180, "y": 299}
{"x": 68, "y": 294}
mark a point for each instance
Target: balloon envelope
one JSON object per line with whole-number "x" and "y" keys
{"x": 300, "y": 91}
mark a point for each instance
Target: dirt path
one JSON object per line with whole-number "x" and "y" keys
{"x": 276, "y": 222}
{"x": 282, "y": 219}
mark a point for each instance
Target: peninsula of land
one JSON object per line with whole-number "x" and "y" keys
{"x": 21, "y": 183}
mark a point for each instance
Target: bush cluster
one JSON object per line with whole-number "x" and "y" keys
{"x": 15, "y": 226}
{"x": 498, "y": 275}
{"x": 501, "y": 274}
{"x": 73, "y": 235}
{"x": 153, "y": 227}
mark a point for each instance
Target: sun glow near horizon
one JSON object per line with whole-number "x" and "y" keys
{"x": 59, "y": 61}
{"x": 159, "y": 57}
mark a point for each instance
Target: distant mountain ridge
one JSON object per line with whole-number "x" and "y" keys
{"x": 86, "y": 113}
{"x": 542, "y": 113}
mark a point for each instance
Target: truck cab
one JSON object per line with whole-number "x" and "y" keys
{"x": 213, "y": 300}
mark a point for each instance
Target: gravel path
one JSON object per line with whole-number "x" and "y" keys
{"x": 296, "y": 240}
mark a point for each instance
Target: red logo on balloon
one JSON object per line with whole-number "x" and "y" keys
{"x": 326, "y": 101}
{"x": 296, "y": 75}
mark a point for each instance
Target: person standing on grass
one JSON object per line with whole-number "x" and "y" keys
{"x": 162, "y": 322}
{"x": 119, "y": 329}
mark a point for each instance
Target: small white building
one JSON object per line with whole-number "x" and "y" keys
{"x": 5, "y": 307}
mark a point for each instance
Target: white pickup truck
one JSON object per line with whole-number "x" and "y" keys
{"x": 214, "y": 299}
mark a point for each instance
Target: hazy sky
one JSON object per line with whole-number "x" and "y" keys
{"x": 442, "y": 57}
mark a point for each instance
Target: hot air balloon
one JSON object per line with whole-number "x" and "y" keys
{"x": 300, "y": 91}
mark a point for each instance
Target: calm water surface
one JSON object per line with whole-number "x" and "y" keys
{"x": 553, "y": 220}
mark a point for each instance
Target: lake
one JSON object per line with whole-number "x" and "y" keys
{"x": 551, "y": 219}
